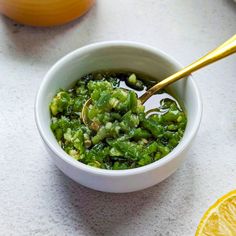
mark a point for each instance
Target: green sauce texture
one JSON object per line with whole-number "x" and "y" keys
{"x": 121, "y": 134}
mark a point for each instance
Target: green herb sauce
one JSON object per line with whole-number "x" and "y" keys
{"x": 120, "y": 134}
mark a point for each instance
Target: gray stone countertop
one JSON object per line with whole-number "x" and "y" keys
{"x": 37, "y": 199}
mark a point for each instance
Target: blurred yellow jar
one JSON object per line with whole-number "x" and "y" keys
{"x": 44, "y": 12}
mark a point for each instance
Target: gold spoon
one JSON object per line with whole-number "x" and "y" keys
{"x": 224, "y": 50}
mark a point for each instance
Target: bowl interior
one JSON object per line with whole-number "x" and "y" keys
{"x": 116, "y": 56}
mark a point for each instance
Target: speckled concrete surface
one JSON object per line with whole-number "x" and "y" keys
{"x": 37, "y": 199}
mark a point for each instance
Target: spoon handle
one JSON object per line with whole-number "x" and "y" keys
{"x": 224, "y": 50}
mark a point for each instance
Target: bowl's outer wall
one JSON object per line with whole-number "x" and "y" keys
{"x": 106, "y": 57}
{"x": 44, "y": 12}
{"x": 121, "y": 184}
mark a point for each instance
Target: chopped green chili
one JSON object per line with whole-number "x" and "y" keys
{"x": 120, "y": 135}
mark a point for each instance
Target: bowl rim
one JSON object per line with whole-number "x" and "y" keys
{"x": 114, "y": 173}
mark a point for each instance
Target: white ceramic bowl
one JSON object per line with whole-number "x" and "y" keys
{"x": 116, "y": 55}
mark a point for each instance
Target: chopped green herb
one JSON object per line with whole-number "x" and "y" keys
{"x": 120, "y": 135}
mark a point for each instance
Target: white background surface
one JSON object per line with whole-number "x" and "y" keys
{"x": 37, "y": 199}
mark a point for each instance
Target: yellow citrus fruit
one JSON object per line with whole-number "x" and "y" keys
{"x": 220, "y": 218}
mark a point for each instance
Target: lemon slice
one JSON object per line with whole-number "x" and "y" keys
{"x": 220, "y": 218}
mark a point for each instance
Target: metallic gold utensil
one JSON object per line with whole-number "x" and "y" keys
{"x": 224, "y": 50}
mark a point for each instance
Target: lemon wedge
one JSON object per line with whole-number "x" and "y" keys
{"x": 220, "y": 218}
